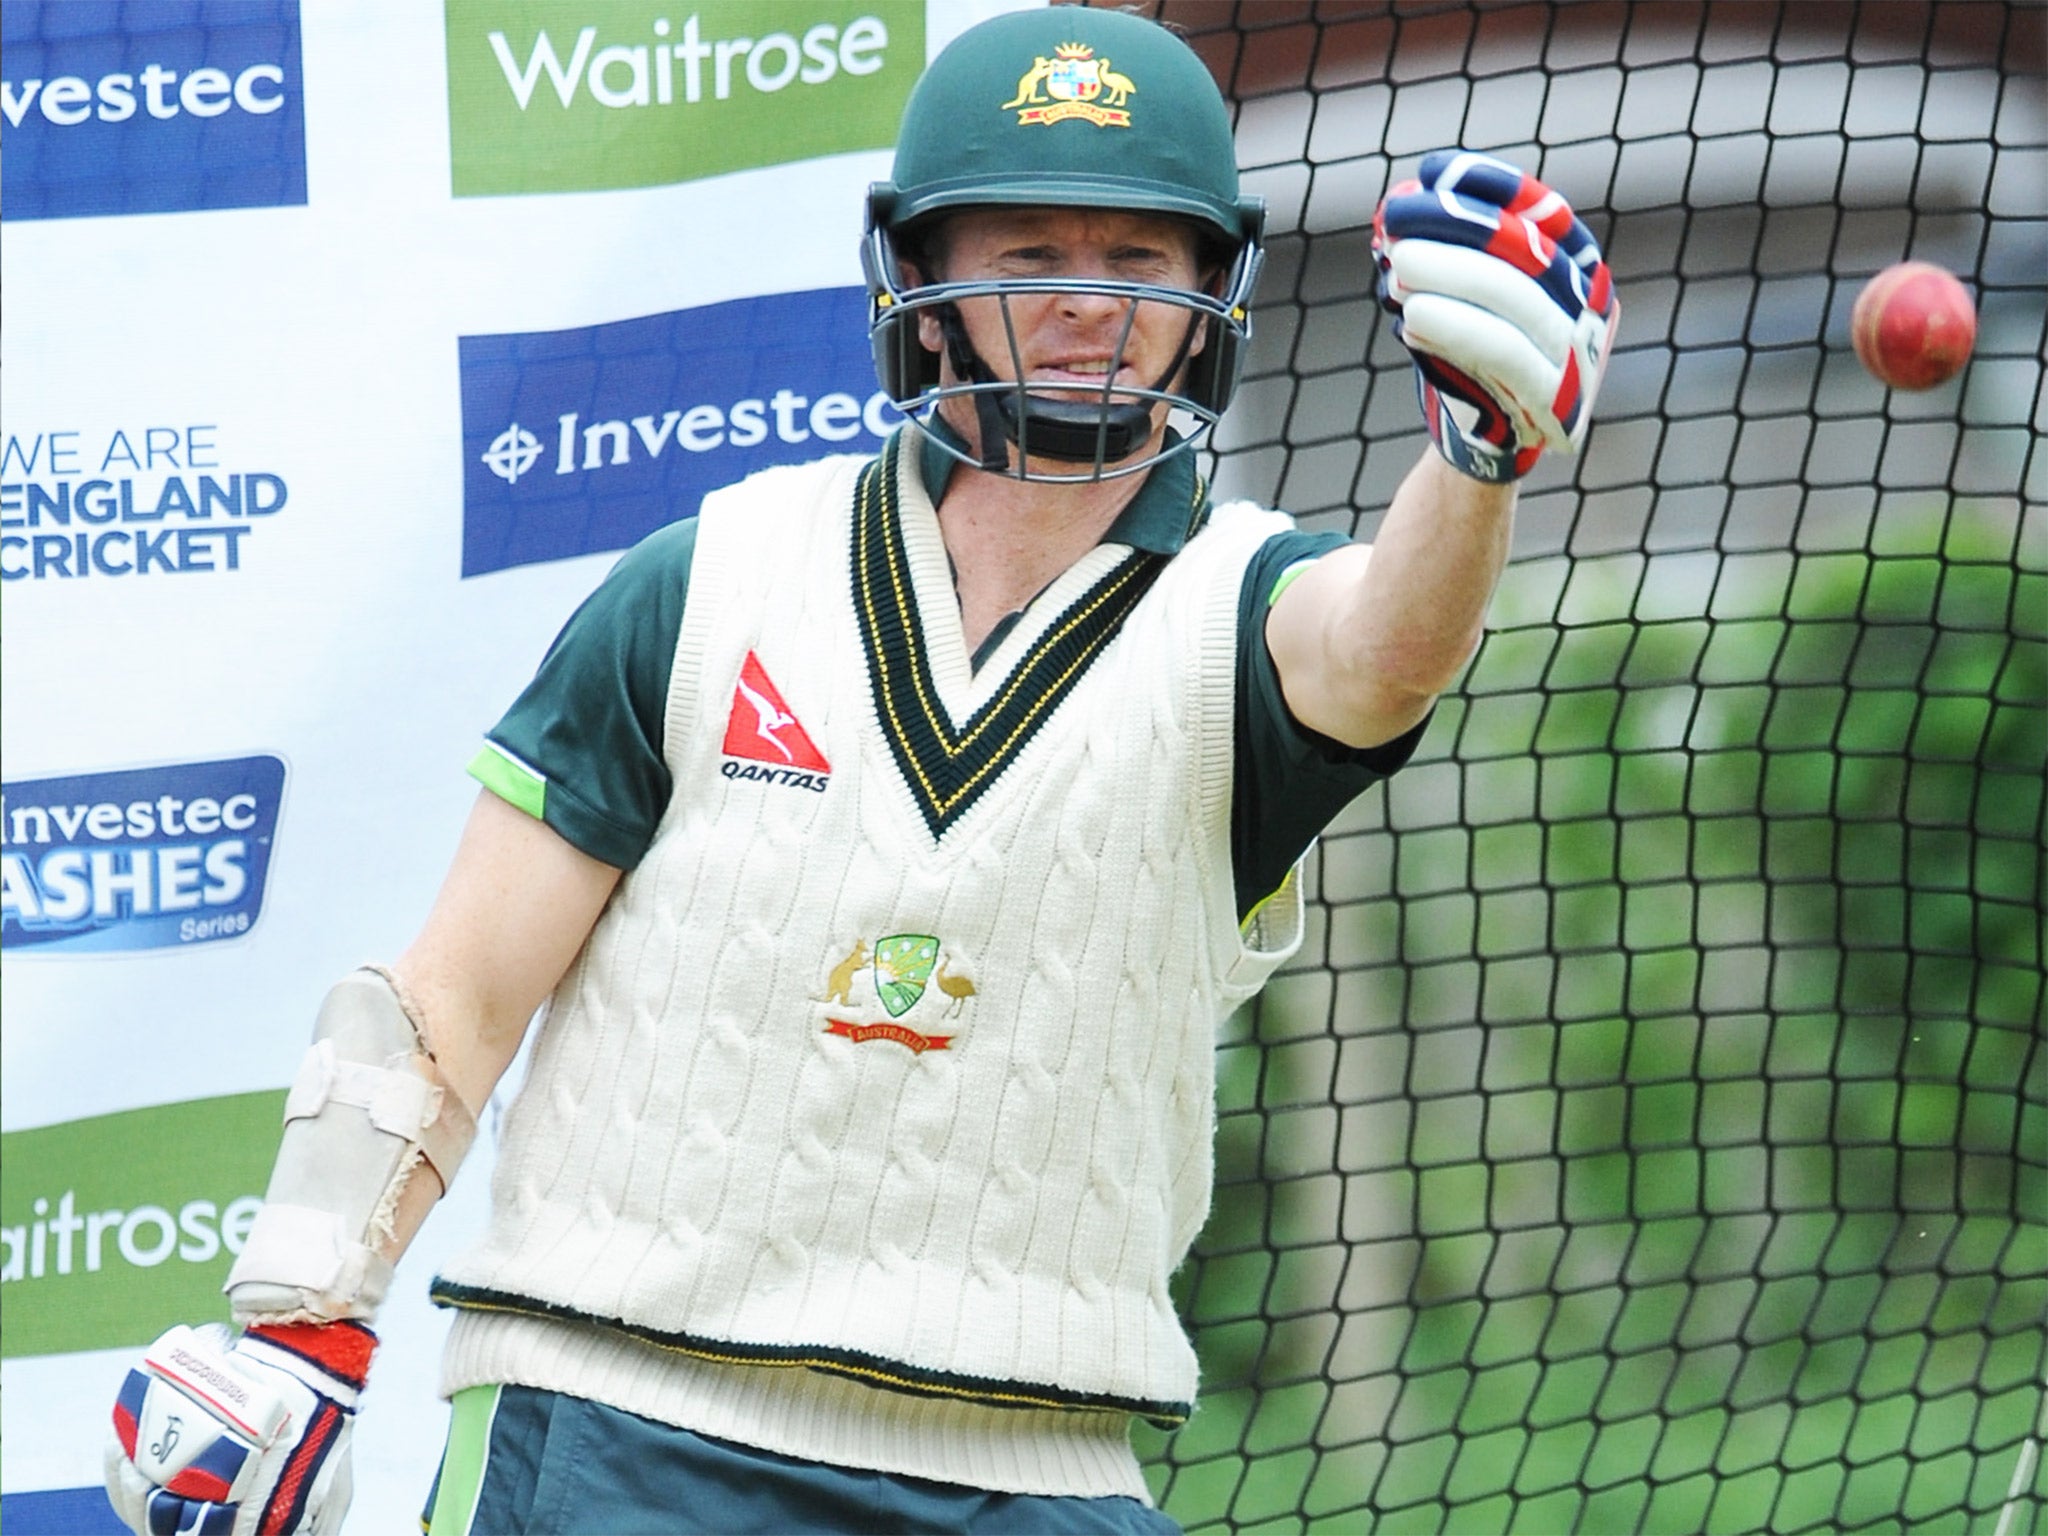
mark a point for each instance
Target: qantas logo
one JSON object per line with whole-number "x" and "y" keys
{"x": 766, "y": 738}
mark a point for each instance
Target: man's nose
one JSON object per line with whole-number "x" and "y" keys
{"x": 1084, "y": 307}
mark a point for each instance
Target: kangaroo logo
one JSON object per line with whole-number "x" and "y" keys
{"x": 768, "y": 718}
{"x": 1027, "y": 88}
{"x": 839, "y": 984}
{"x": 762, "y": 728}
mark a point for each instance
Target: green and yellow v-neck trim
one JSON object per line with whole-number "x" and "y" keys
{"x": 947, "y": 769}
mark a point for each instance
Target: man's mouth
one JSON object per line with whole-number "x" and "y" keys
{"x": 1086, "y": 370}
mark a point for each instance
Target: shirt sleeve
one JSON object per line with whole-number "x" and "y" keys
{"x": 1291, "y": 781}
{"x": 581, "y": 747}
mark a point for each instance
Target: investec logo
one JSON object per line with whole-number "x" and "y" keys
{"x": 565, "y": 455}
{"x": 138, "y": 109}
{"x": 141, "y": 858}
{"x": 141, "y": 500}
{"x": 577, "y": 95}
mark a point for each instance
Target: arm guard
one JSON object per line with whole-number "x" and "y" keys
{"x": 368, "y": 1107}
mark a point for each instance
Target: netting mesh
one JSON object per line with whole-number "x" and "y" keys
{"x": 1654, "y": 1132}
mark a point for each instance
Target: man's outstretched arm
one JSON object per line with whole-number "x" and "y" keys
{"x": 1502, "y": 298}
{"x": 1366, "y": 638}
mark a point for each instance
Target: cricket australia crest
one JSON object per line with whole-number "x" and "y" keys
{"x": 1074, "y": 82}
{"x": 874, "y": 987}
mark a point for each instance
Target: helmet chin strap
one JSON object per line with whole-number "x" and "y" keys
{"x": 1080, "y": 431}
{"x": 968, "y": 364}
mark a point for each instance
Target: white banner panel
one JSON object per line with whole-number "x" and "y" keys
{"x": 346, "y": 346}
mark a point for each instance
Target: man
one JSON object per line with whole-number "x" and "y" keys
{"x": 886, "y": 844}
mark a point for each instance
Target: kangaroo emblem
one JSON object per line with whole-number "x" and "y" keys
{"x": 958, "y": 988}
{"x": 1027, "y": 88}
{"x": 839, "y": 984}
{"x": 768, "y": 719}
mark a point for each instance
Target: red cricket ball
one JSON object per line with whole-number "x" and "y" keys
{"x": 1913, "y": 325}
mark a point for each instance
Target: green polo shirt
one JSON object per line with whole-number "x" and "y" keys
{"x": 584, "y": 740}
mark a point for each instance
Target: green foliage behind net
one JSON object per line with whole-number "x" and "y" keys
{"x": 1653, "y": 1134}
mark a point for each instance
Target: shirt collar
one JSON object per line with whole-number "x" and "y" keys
{"x": 1171, "y": 504}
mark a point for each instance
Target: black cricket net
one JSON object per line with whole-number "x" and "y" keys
{"x": 1653, "y": 1133}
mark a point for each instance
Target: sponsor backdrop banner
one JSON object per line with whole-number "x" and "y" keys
{"x": 623, "y": 431}
{"x": 141, "y": 859}
{"x": 151, "y": 113}
{"x": 565, "y": 96}
{"x": 105, "y": 1247}
{"x": 347, "y": 346}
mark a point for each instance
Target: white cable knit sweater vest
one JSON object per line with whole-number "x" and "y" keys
{"x": 894, "y": 1056}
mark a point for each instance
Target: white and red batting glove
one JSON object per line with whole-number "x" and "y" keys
{"x": 239, "y": 1436}
{"x": 1500, "y": 294}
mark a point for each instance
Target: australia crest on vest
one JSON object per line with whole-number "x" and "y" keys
{"x": 895, "y": 989}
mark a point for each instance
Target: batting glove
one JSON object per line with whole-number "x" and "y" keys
{"x": 239, "y": 1436}
{"x": 1500, "y": 294}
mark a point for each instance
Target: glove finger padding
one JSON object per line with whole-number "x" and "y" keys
{"x": 241, "y": 1437}
{"x": 1495, "y": 356}
{"x": 1500, "y": 293}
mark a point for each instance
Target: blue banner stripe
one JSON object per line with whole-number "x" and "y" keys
{"x": 581, "y": 441}
{"x": 60, "y": 1512}
{"x": 121, "y": 109}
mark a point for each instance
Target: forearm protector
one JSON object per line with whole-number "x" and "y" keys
{"x": 370, "y": 1105}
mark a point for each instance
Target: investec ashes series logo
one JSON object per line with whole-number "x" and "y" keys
{"x": 901, "y": 971}
{"x": 150, "y": 109}
{"x": 579, "y": 95}
{"x": 142, "y": 858}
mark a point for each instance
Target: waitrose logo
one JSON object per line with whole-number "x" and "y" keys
{"x": 584, "y": 95}
{"x": 114, "y": 1228}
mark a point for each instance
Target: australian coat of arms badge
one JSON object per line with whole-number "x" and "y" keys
{"x": 900, "y": 968}
{"x": 1074, "y": 82}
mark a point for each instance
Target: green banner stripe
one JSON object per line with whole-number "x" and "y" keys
{"x": 113, "y": 1228}
{"x": 569, "y": 96}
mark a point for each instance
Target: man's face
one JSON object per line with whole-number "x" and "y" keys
{"x": 1065, "y": 338}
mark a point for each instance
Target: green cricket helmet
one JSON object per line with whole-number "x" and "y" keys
{"x": 1074, "y": 108}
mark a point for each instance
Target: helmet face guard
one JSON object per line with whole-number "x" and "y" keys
{"x": 1096, "y": 429}
{"x": 1067, "y": 107}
